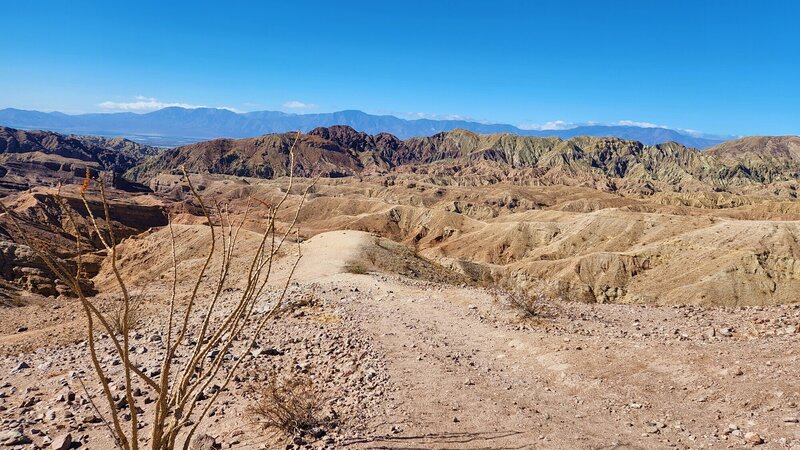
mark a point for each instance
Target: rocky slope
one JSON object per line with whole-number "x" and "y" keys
{"x": 34, "y": 158}
{"x": 781, "y": 148}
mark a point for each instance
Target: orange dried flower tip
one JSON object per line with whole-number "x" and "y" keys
{"x": 86, "y": 181}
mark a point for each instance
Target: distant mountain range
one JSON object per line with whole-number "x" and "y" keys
{"x": 174, "y": 126}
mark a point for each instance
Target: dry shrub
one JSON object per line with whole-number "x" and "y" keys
{"x": 529, "y": 306}
{"x": 135, "y": 315}
{"x": 304, "y": 300}
{"x": 289, "y": 407}
{"x": 356, "y": 267}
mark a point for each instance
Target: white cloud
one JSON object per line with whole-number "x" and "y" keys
{"x": 294, "y": 104}
{"x": 563, "y": 125}
{"x": 633, "y": 123}
{"x": 142, "y": 103}
{"x": 422, "y": 115}
{"x": 552, "y": 125}
{"x": 429, "y": 116}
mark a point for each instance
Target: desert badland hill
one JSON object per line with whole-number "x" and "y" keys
{"x": 672, "y": 276}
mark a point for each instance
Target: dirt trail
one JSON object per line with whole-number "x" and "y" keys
{"x": 469, "y": 377}
{"x": 468, "y": 374}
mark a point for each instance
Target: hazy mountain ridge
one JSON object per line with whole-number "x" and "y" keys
{"x": 174, "y": 126}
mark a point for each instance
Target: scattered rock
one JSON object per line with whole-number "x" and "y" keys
{"x": 13, "y": 437}
{"x": 62, "y": 442}
{"x": 753, "y": 438}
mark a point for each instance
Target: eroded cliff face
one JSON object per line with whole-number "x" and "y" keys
{"x": 44, "y": 221}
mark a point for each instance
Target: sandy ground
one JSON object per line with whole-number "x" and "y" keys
{"x": 414, "y": 364}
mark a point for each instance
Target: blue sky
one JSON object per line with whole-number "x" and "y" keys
{"x": 728, "y": 67}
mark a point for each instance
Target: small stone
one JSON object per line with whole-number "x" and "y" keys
{"x": 66, "y": 396}
{"x": 22, "y": 329}
{"x": 22, "y": 365}
{"x": 62, "y": 442}
{"x": 204, "y": 442}
{"x": 13, "y": 437}
{"x": 791, "y": 419}
{"x": 468, "y": 382}
{"x": 455, "y": 420}
{"x": 92, "y": 419}
{"x": 753, "y": 438}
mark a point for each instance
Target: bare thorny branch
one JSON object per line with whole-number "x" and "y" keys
{"x": 181, "y": 381}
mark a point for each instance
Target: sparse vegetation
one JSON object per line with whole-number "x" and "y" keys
{"x": 529, "y": 306}
{"x": 392, "y": 257}
{"x": 289, "y": 407}
{"x": 356, "y": 267}
{"x": 120, "y": 320}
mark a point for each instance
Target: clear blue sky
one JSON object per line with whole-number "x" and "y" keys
{"x": 718, "y": 66}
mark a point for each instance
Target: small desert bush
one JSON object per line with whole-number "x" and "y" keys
{"x": 289, "y": 407}
{"x": 528, "y": 305}
{"x": 356, "y": 267}
{"x": 135, "y": 315}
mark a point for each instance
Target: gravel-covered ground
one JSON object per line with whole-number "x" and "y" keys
{"x": 405, "y": 363}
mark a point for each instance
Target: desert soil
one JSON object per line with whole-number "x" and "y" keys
{"x": 408, "y": 363}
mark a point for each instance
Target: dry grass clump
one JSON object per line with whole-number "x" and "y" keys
{"x": 135, "y": 314}
{"x": 290, "y": 407}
